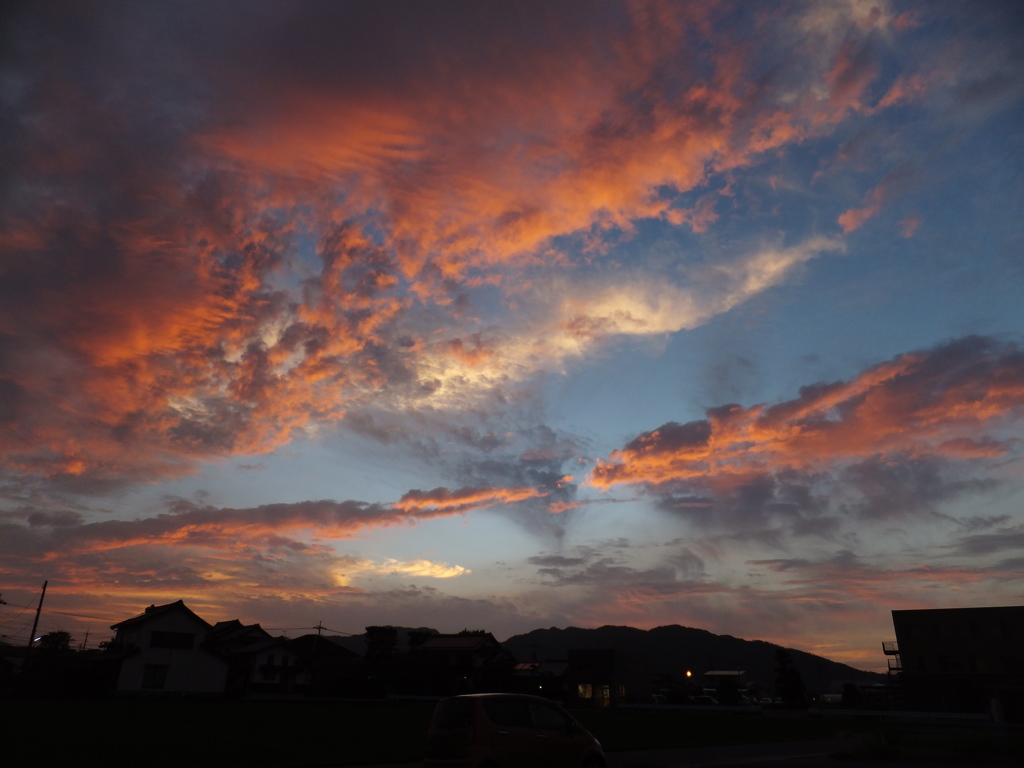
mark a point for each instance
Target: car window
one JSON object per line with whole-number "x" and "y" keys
{"x": 547, "y": 717}
{"x": 453, "y": 713}
{"x": 508, "y": 712}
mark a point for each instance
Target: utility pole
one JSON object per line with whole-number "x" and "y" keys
{"x": 39, "y": 608}
{"x": 35, "y": 624}
{"x": 85, "y": 642}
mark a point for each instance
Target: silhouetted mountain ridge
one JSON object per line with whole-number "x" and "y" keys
{"x": 673, "y": 649}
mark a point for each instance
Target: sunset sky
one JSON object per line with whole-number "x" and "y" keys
{"x": 508, "y": 315}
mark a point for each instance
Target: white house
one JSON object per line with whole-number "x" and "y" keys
{"x": 276, "y": 668}
{"x": 164, "y": 652}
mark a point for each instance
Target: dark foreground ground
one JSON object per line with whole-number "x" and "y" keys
{"x": 809, "y": 754}
{"x": 165, "y": 733}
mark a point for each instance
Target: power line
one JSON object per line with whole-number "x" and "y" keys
{"x": 83, "y": 616}
{"x": 23, "y": 609}
{"x": 299, "y": 629}
{"x": 339, "y": 632}
{"x": 23, "y": 629}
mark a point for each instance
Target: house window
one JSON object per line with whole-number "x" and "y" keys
{"x": 269, "y": 672}
{"x": 182, "y": 640}
{"x": 585, "y": 691}
{"x": 154, "y": 676}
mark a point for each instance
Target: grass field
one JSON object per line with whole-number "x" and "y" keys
{"x": 161, "y": 733}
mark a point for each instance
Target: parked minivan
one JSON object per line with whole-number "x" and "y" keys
{"x": 508, "y": 730}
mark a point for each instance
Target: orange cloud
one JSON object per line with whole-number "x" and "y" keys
{"x": 906, "y": 20}
{"x": 484, "y": 169}
{"x": 282, "y": 552}
{"x": 870, "y": 206}
{"x": 444, "y": 501}
{"x": 942, "y": 402}
{"x": 848, "y": 80}
{"x": 909, "y": 225}
{"x": 192, "y": 272}
{"x": 904, "y": 89}
{"x": 874, "y": 199}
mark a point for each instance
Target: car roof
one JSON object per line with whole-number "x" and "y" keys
{"x": 493, "y": 694}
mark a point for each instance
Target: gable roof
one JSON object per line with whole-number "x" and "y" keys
{"x": 153, "y": 611}
{"x": 234, "y": 632}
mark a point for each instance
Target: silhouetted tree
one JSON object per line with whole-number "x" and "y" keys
{"x": 381, "y": 645}
{"x": 789, "y": 686}
{"x": 418, "y": 636}
{"x": 55, "y": 642}
{"x": 50, "y": 667}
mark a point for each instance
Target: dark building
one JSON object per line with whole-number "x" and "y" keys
{"x": 463, "y": 663}
{"x": 604, "y": 677}
{"x": 961, "y": 659}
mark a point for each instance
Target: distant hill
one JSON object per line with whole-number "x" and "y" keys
{"x": 675, "y": 649}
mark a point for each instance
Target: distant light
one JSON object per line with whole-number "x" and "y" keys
{"x": 689, "y": 673}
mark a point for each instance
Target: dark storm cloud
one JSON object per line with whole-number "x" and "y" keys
{"x": 888, "y": 489}
{"x": 556, "y": 561}
{"x": 494, "y": 450}
{"x": 602, "y": 566}
{"x": 790, "y": 499}
{"x": 1008, "y": 539}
